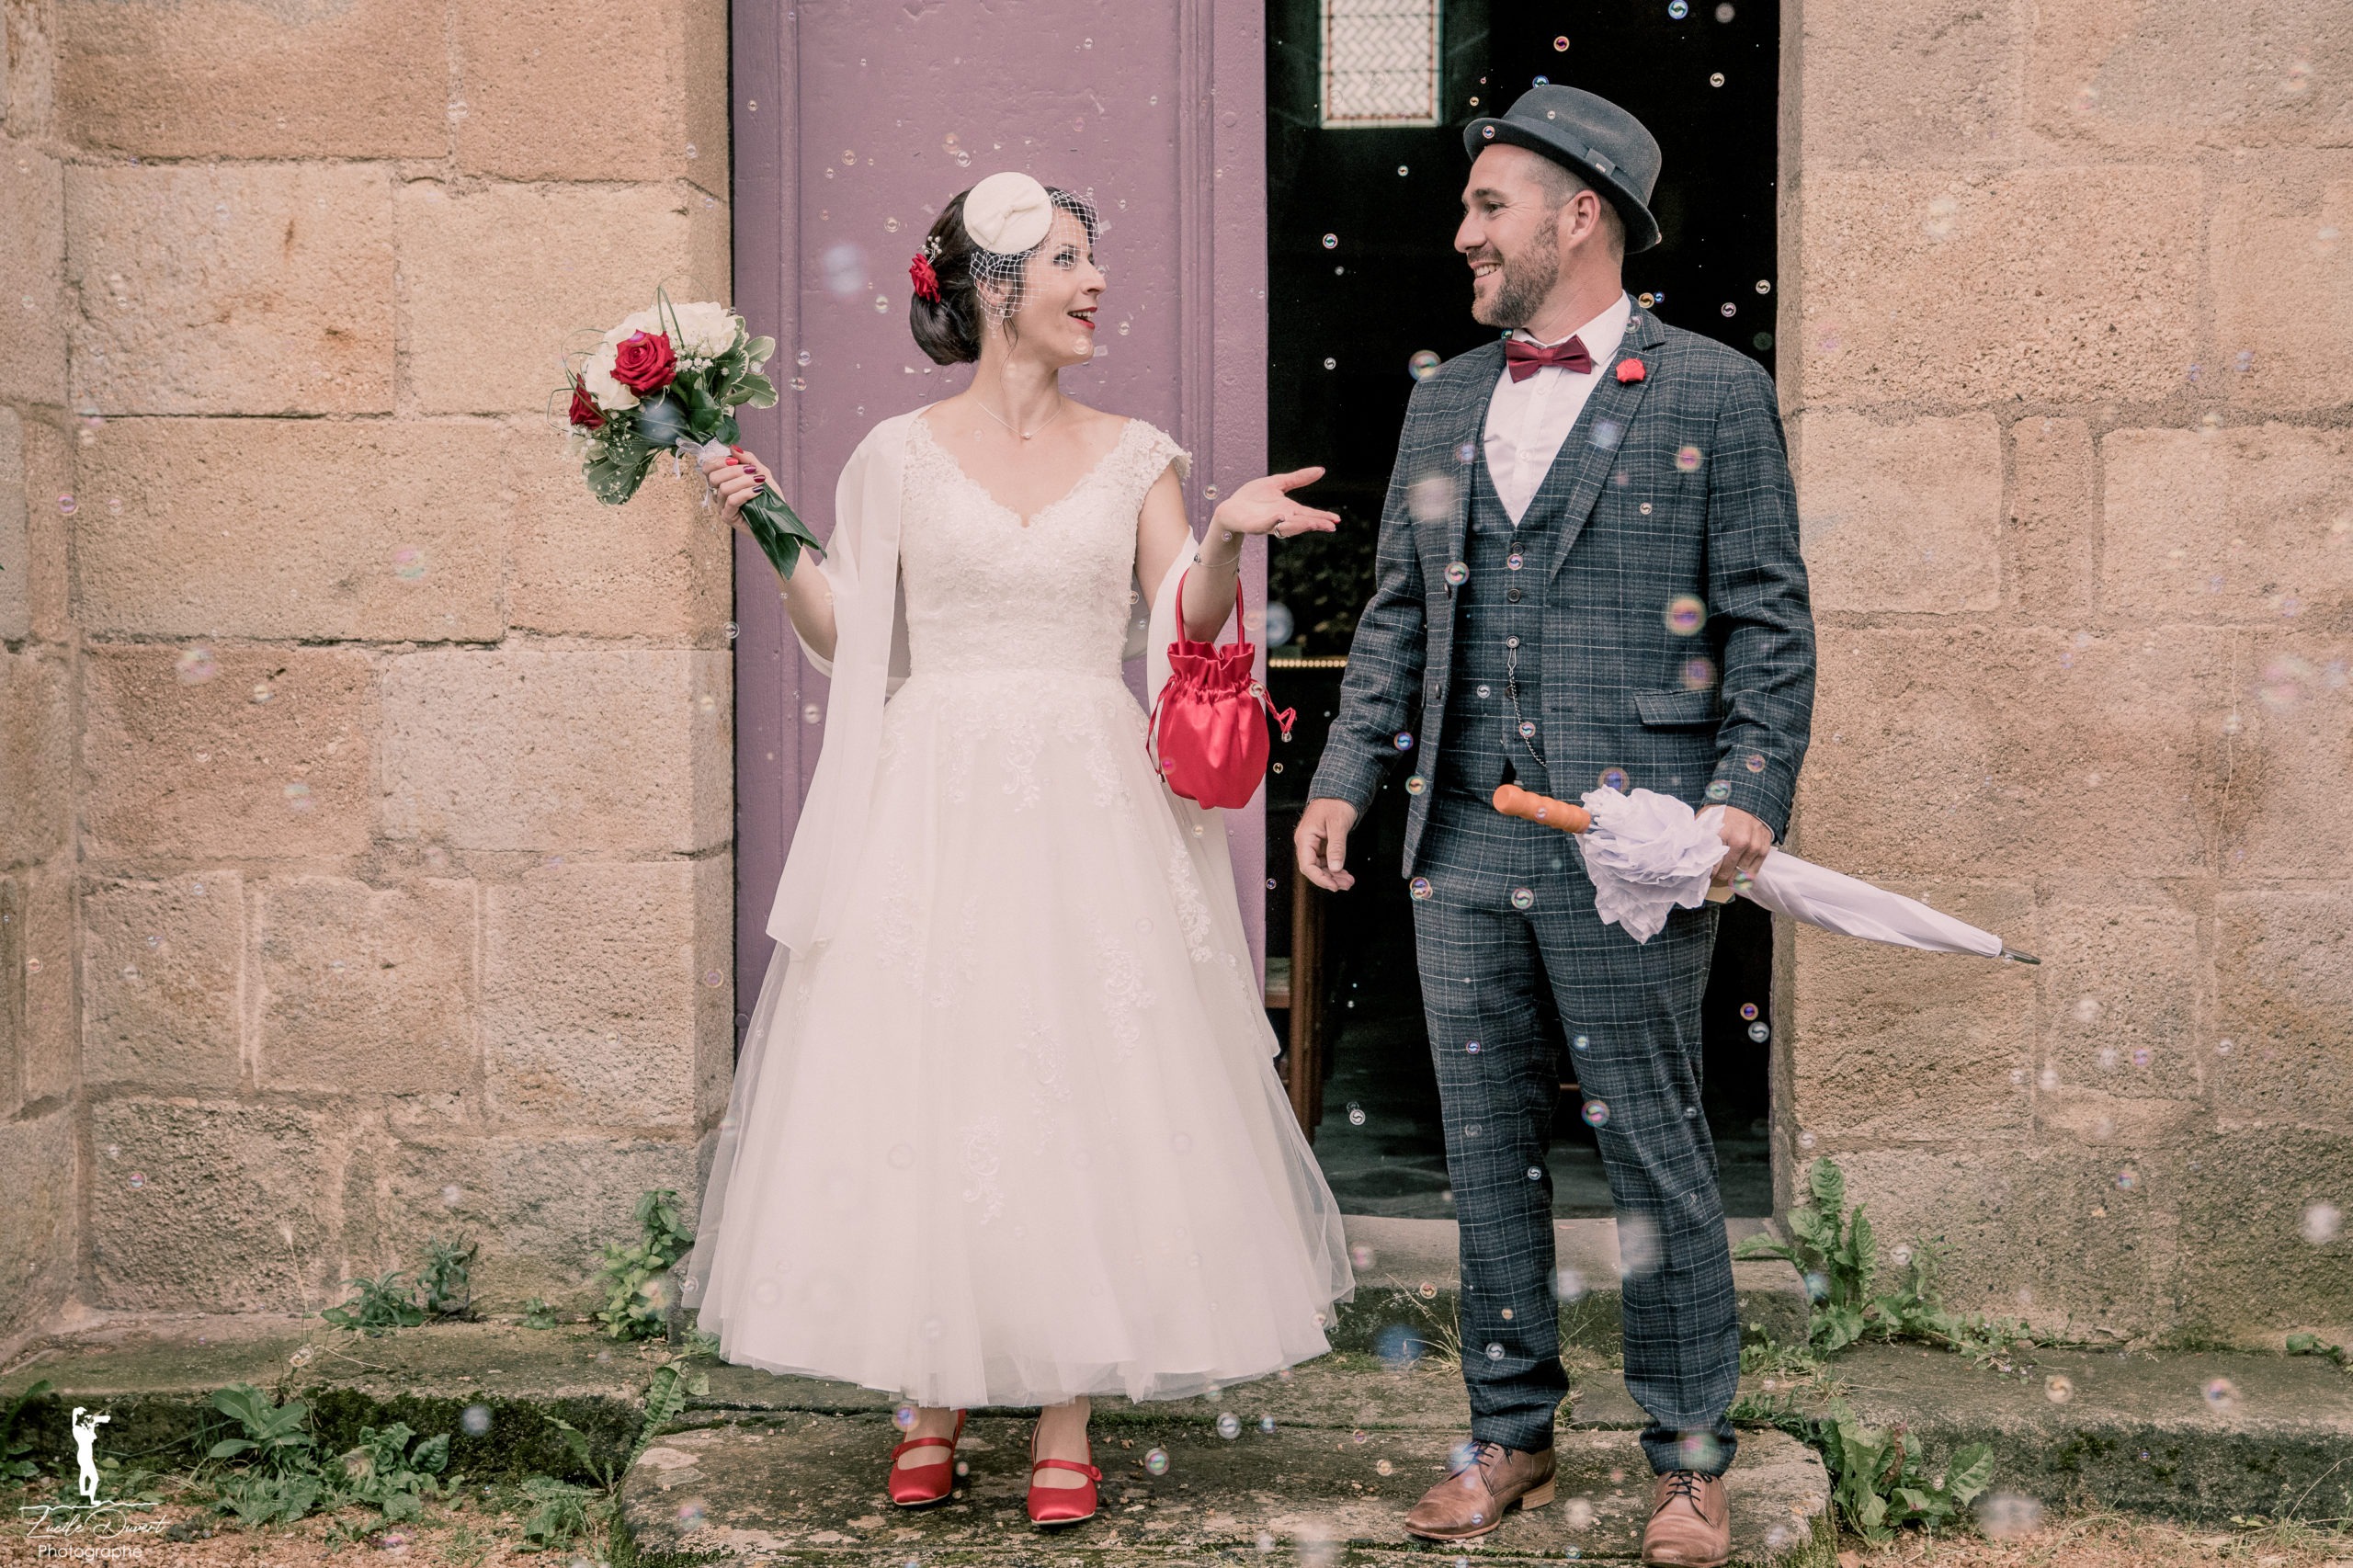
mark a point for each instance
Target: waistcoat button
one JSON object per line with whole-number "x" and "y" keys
{"x": 1512, "y": 593}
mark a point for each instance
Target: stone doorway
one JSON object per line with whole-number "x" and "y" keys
{"x": 1359, "y": 282}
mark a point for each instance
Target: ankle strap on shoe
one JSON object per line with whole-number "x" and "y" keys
{"x": 1086, "y": 1469}
{"x": 921, "y": 1443}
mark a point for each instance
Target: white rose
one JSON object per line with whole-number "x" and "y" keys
{"x": 597, "y": 375}
{"x": 707, "y": 329}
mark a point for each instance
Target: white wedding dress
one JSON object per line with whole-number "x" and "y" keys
{"x": 1018, "y": 1134}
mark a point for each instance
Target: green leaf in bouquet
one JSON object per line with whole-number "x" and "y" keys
{"x": 778, "y": 530}
{"x": 661, "y": 421}
{"x": 751, "y": 392}
{"x": 759, "y": 350}
{"x": 614, "y": 475}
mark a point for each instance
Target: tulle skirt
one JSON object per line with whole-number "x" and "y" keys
{"x": 1015, "y": 1134}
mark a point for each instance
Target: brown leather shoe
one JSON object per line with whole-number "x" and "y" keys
{"x": 1691, "y": 1522}
{"x": 1472, "y": 1500}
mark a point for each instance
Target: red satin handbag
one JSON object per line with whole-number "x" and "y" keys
{"x": 1213, "y": 744}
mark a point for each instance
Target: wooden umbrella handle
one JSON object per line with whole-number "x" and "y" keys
{"x": 1515, "y": 802}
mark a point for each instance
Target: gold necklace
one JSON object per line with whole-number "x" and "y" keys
{"x": 1025, "y": 435}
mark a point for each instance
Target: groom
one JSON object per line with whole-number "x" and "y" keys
{"x": 1588, "y": 574}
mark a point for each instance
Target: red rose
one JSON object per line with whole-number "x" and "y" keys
{"x": 643, "y": 363}
{"x": 584, "y": 412}
{"x": 1630, "y": 370}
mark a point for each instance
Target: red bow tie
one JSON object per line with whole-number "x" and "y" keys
{"x": 1526, "y": 358}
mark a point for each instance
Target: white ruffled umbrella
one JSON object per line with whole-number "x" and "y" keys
{"x": 1650, "y": 854}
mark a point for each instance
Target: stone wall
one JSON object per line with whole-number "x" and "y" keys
{"x": 369, "y": 787}
{"x": 2067, "y": 348}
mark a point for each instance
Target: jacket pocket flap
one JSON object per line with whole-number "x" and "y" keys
{"x": 1669, "y": 709}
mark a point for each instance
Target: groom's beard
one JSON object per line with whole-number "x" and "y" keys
{"x": 1522, "y": 284}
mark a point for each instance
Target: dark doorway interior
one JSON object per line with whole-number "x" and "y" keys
{"x": 1361, "y": 280}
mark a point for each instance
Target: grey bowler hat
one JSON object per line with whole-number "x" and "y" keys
{"x": 1591, "y": 137}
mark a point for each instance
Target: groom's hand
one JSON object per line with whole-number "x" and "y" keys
{"x": 1323, "y": 843}
{"x": 1747, "y": 840}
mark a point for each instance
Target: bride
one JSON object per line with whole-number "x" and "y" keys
{"x": 1006, "y": 1129}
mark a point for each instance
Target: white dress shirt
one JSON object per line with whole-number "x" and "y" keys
{"x": 1527, "y": 420}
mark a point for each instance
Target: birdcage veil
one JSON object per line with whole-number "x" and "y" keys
{"x": 1009, "y": 218}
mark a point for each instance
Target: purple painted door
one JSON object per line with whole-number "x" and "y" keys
{"x": 854, "y": 124}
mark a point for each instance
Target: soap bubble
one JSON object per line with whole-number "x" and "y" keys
{"x": 1515, "y": 560}
{"x": 1495, "y": 1352}
{"x": 2126, "y": 1181}
{"x": 844, "y": 266}
{"x": 298, "y": 796}
{"x": 475, "y": 1419}
{"x": 1331, "y": 242}
{"x": 1677, "y": 9}
{"x": 1686, "y": 459}
{"x": 1597, "y": 1114}
{"x": 902, "y": 1156}
{"x": 1568, "y": 1285}
{"x": 137, "y": 1179}
{"x": 2058, "y": 1388}
{"x": 1685, "y": 615}
{"x": 2004, "y": 1515}
{"x": 1717, "y": 80}
{"x": 1581, "y": 1042}
{"x": 1457, "y": 572}
{"x": 2222, "y": 1394}
{"x": 1748, "y": 1009}
{"x": 1414, "y": 786}
{"x": 1404, "y": 740}
{"x": 1267, "y": 1423}
{"x": 1356, "y": 1114}
{"x": 2321, "y": 1223}
{"x": 1156, "y": 1462}
{"x": 65, "y": 504}
{"x": 1422, "y": 364}
{"x": 195, "y": 667}
{"x": 1523, "y": 898}
{"x": 1229, "y": 1427}
{"x": 1719, "y": 789}
{"x": 1614, "y": 778}
{"x": 1472, "y": 1046}
{"x": 1420, "y": 887}
{"x": 1759, "y": 1032}
{"x": 1361, "y": 1255}
{"x": 1465, "y": 452}
{"x": 1330, "y": 363}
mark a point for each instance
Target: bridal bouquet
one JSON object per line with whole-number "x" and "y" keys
{"x": 670, "y": 378}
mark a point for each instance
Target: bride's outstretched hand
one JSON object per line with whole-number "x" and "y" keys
{"x": 1265, "y": 507}
{"x": 738, "y": 476}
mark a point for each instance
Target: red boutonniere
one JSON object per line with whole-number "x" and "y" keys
{"x": 584, "y": 412}
{"x": 1629, "y": 371}
{"x": 926, "y": 281}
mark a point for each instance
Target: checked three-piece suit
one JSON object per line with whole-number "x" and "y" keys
{"x": 1645, "y": 623}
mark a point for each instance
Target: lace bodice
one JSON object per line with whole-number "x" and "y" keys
{"x": 984, "y": 592}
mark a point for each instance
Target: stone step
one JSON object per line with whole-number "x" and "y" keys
{"x": 808, "y": 1486}
{"x": 2138, "y": 1432}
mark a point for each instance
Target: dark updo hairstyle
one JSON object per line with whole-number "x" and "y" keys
{"x": 949, "y": 329}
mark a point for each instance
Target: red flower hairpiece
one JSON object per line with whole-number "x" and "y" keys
{"x": 1630, "y": 370}
{"x": 926, "y": 281}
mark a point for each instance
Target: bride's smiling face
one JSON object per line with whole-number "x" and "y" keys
{"x": 1060, "y": 291}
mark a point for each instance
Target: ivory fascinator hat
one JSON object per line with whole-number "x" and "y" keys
{"x": 1007, "y": 213}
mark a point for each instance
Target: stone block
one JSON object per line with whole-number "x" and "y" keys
{"x": 2122, "y": 974}
{"x": 2048, "y": 284}
{"x": 223, "y": 78}
{"x": 593, "y": 983}
{"x": 32, "y": 274}
{"x": 365, "y": 988}
{"x": 198, "y": 751}
{"x": 2051, "y": 548}
{"x": 624, "y": 751}
{"x": 2283, "y": 983}
{"x": 2169, "y": 75}
{"x": 49, "y": 473}
{"x": 36, "y": 754}
{"x": 16, "y": 535}
{"x": 36, "y": 1165}
{"x": 543, "y": 1206}
{"x": 715, "y": 1005}
{"x": 1970, "y": 1197}
{"x": 162, "y": 964}
{"x": 1900, "y": 517}
{"x": 1909, "y": 1047}
{"x": 2284, "y": 234}
{"x": 372, "y": 530}
{"x": 659, "y": 566}
{"x": 1909, "y": 83}
{"x": 28, "y": 72}
{"x": 231, "y": 288}
{"x": 2096, "y": 1242}
{"x": 212, "y": 1206}
{"x": 1971, "y": 752}
{"x": 2247, "y": 524}
{"x": 499, "y": 281}
{"x": 49, "y": 1054}
{"x": 660, "y": 98}
{"x": 2284, "y": 814}
{"x": 2258, "y": 1252}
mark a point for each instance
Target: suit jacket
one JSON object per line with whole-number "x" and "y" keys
{"x": 1678, "y": 490}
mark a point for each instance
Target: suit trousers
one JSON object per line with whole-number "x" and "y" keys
{"x": 1514, "y": 963}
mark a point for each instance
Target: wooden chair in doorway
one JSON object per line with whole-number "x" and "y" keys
{"x": 1295, "y": 984}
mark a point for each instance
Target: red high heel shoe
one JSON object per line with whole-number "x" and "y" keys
{"x": 1061, "y": 1504}
{"x": 917, "y": 1485}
